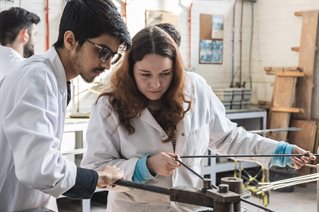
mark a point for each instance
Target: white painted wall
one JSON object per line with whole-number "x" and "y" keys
{"x": 276, "y": 30}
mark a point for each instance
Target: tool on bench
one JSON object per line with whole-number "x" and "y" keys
{"x": 221, "y": 199}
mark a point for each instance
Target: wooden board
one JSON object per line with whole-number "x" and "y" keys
{"x": 304, "y": 138}
{"x": 315, "y": 91}
{"x": 284, "y": 71}
{"x": 283, "y": 96}
{"x": 315, "y": 147}
{"x": 307, "y": 52}
{"x": 205, "y": 22}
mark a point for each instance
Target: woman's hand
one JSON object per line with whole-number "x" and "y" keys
{"x": 162, "y": 163}
{"x": 299, "y": 162}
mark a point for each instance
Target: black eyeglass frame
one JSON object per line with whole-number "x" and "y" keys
{"x": 108, "y": 53}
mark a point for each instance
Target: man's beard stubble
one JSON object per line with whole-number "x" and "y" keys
{"x": 28, "y": 49}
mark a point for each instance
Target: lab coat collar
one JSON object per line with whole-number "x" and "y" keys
{"x": 147, "y": 117}
{"x": 58, "y": 68}
{"x": 10, "y": 51}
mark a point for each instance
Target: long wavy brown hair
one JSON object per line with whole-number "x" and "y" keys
{"x": 128, "y": 101}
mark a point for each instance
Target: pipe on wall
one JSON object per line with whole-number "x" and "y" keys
{"x": 47, "y": 30}
{"x": 190, "y": 35}
{"x": 233, "y": 76}
{"x": 124, "y": 11}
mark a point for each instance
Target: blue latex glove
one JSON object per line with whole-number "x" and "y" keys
{"x": 282, "y": 148}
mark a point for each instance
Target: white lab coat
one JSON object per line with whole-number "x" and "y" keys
{"x": 9, "y": 60}
{"x": 204, "y": 126}
{"x": 33, "y": 105}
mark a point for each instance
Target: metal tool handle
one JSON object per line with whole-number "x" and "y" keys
{"x": 144, "y": 187}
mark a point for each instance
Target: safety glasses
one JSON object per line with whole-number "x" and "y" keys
{"x": 106, "y": 53}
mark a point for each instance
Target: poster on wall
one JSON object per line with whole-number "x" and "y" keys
{"x": 217, "y": 26}
{"x": 211, "y": 39}
{"x": 211, "y": 52}
{"x": 153, "y": 17}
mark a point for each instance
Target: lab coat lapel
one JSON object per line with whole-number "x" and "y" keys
{"x": 147, "y": 117}
{"x": 58, "y": 69}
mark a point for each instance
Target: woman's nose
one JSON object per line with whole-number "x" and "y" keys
{"x": 155, "y": 83}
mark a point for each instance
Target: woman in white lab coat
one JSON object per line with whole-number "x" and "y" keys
{"x": 154, "y": 111}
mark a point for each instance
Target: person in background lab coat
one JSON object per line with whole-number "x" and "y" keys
{"x": 153, "y": 112}
{"x": 33, "y": 107}
{"x": 17, "y": 37}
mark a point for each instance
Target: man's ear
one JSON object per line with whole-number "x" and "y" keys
{"x": 69, "y": 40}
{"x": 24, "y": 35}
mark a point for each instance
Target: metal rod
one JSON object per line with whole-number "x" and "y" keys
{"x": 144, "y": 187}
{"x": 275, "y": 130}
{"x": 294, "y": 183}
{"x": 187, "y": 167}
{"x": 293, "y": 179}
{"x": 242, "y": 156}
{"x": 288, "y": 182}
{"x": 258, "y": 206}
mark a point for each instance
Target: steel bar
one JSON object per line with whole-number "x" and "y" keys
{"x": 288, "y": 182}
{"x": 275, "y": 187}
{"x": 294, "y": 183}
{"x": 144, "y": 187}
{"x": 291, "y": 180}
{"x": 244, "y": 155}
{"x": 191, "y": 170}
{"x": 275, "y": 130}
{"x": 286, "y": 185}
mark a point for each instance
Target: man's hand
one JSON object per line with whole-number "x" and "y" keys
{"x": 299, "y": 162}
{"x": 108, "y": 176}
{"x": 162, "y": 163}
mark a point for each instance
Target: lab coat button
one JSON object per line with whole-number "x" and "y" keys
{"x": 183, "y": 134}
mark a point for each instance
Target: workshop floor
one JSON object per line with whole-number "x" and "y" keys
{"x": 301, "y": 199}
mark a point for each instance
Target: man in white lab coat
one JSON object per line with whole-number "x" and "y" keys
{"x": 17, "y": 37}
{"x": 33, "y": 106}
